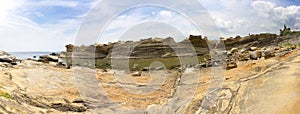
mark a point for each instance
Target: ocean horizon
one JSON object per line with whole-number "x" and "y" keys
{"x": 30, "y": 54}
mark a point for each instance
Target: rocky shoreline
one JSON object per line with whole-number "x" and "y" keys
{"x": 261, "y": 76}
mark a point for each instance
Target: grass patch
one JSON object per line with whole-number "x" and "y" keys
{"x": 5, "y": 95}
{"x": 288, "y": 45}
{"x": 139, "y": 64}
{"x": 287, "y": 33}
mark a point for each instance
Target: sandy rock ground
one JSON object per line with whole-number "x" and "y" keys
{"x": 256, "y": 86}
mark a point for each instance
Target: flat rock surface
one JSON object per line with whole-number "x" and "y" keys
{"x": 258, "y": 86}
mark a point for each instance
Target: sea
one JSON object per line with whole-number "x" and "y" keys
{"x": 30, "y": 55}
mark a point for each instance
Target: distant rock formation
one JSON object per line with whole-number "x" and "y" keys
{"x": 145, "y": 48}
{"x": 254, "y": 40}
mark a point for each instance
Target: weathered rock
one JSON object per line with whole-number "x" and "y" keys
{"x": 145, "y": 69}
{"x": 253, "y": 48}
{"x": 48, "y": 58}
{"x": 136, "y": 74}
{"x": 8, "y": 59}
{"x": 233, "y": 50}
{"x": 255, "y": 54}
{"x": 293, "y": 47}
{"x": 268, "y": 53}
{"x": 159, "y": 68}
{"x": 5, "y": 65}
{"x": 231, "y": 65}
{"x": 243, "y": 50}
{"x": 3, "y": 53}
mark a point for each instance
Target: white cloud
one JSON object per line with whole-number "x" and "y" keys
{"x": 123, "y": 23}
{"x": 18, "y": 33}
{"x": 62, "y": 3}
{"x": 6, "y": 7}
{"x": 279, "y": 15}
{"x": 166, "y": 14}
{"x": 234, "y": 17}
{"x": 241, "y": 17}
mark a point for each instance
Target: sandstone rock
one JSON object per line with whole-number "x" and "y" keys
{"x": 243, "y": 50}
{"x": 60, "y": 65}
{"x": 136, "y": 74}
{"x": 159, "y": 68}
{"x": 167, "y": 55}
{"x": 268, "y": 53}
{"x": 253, "y": 48}
{"x": 5, "y": 65}
{"x": 48, "y": 58}
{"x": 145, "y": 69}
{"x": 6, "y": 58}
{"x": 255, "y": 54}
{"x": 293, "y": 47}
{"x": 3, "y": 53}
{"x": 231, "y": 65}
{"x": 233, "y": 50}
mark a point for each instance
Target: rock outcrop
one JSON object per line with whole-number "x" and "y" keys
{"x": 48, "y": 58}
{"x": 145, "y": 48}
{"x": 6, "y": 58}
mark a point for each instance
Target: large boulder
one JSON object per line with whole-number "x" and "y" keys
{"x": 255, "y": 54}
{"x": 268, "y": 53}
{"x": 5, "y": 57}
{"x": 8, "y": 59}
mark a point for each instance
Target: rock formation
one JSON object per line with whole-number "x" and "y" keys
{"x": 6, "y": 59}
{"x": 145, "y": 48}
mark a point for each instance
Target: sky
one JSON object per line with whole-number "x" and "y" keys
{"x": 48, "y": 25}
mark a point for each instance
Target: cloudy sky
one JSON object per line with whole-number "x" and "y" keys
{"x": 47, "y": 25}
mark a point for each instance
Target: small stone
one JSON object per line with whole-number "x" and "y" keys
{"x": 233, "y": 50}
{"x": 253, "y": 48}
{"x": 136, "y": 74}
{"x": 231, "y": 65}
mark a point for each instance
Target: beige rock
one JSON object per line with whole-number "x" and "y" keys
{"x": 253, "y": 48}
{"x": 255, "y": 54}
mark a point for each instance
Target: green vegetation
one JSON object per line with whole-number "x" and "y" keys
{"x": 287, "y": 31}
{"x": 5, "y": 95}
{"x": 170, "y": 63}
{"x": 288, "y": 45}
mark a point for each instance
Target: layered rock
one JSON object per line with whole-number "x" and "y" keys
{"x": 145, "y": 48}
{"x": 6, "y": 58}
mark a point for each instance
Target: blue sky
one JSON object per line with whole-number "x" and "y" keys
{"x": 47, "y": 25}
